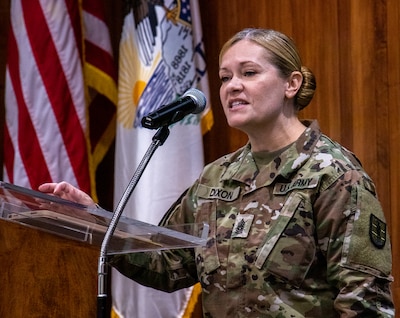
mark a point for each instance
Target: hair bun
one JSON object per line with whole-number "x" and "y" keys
{"x": 307, "y": 89}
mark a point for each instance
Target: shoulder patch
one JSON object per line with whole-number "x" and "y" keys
{"x": 377, "y": 231}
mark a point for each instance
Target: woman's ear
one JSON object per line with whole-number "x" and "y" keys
{"x": 293, "y": 84}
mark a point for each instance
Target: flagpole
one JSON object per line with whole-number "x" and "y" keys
{"x": 158, "y": 140}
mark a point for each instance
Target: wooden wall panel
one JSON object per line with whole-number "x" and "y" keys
{"x": 392, "y": 139}
{"x": 353, "y": 47}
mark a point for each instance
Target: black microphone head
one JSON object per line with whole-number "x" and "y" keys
{"x": 199, "y": 99}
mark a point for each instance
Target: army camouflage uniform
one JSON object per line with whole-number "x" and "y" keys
{"x": 301, "y": 236}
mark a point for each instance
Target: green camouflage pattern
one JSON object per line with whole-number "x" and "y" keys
{"x": 303, "y": 235}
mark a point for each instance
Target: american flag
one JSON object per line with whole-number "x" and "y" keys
{"x": 60, "y": 92}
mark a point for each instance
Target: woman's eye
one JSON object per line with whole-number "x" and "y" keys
{"x": 224, "y": 79}
{"x": 249, "y": 73}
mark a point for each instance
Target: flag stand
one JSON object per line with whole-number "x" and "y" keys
{"x": 158, "y": 140}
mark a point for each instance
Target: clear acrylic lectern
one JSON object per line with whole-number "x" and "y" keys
{"x": 78, "y": 222}
{"x": 49, "y": 251}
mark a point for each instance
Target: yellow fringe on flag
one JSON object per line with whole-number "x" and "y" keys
{"x": 114, "y": 313}
{"x": 194, "y": 298}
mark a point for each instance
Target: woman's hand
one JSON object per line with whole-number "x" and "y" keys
{"x": 67, "y": 191}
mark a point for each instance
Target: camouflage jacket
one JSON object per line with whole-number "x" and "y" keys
{"x": 301, "y": 236}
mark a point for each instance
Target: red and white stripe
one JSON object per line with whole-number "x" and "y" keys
{"x": 47, "y": 130}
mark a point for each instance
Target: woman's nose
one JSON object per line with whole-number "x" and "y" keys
{"x": 235, "y": 84}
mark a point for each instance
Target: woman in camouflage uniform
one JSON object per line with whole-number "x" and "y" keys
{"x": 296, "y": 229}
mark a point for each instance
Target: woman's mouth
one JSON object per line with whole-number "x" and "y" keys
{"x": 237, "y": 103}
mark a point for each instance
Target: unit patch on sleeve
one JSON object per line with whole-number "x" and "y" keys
{"x": 377, "y": 231}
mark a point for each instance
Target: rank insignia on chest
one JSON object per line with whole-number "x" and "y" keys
{"x": 242, "y": 225}
{"x": 377, "y": 231}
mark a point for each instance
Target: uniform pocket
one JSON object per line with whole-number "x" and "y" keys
{"x": 207, "y": 256}
{"x": 290, "y": 248}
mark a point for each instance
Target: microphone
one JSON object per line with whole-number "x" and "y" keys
{"x": 192, "y": 101}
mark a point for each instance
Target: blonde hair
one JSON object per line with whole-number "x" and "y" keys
{"x": 284, "y": 55}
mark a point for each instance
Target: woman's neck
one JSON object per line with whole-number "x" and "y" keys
{"x": 279, "y": 136}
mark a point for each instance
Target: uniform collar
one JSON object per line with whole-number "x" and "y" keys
{"x": 241, "y": 166}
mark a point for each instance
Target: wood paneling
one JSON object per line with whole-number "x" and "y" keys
{"x": 353, "y": 47}
{"x": 45, "y": 275}
{"x": 391, "y": 141}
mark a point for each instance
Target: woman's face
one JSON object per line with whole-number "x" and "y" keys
{"x": 252, "y": 90}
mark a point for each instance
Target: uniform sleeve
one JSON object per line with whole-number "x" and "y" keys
{"x": 163, "y": 270}
{"x": 352, "y": 234}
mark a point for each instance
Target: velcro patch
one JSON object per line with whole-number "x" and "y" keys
{"x": 224, "y": 194}
{"x": 300, "y": 183}
{"x": 242, "y": 225}
{"x": 377, "y": 231}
